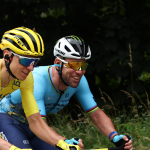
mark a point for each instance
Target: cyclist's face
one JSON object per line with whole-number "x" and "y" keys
{"x": 70, "y": 76}
{"x": 19, "y": 71}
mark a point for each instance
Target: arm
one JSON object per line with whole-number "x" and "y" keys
{"x": 86, "y": 99}
{"x": 103, "y": 122}
{"x": 105, "y": 125}
{"x": 39, "y": 127}
{"x": 4, "y": 145}
{"x": 42, "y": 130}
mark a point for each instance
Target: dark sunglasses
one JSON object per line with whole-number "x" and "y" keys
{"x": 27, "y": 61}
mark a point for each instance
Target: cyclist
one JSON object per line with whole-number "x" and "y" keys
{"x": 54, "y": 85}
{"x": 22, "y": 49}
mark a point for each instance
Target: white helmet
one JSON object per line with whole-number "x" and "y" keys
{"x": 72, "y": 47}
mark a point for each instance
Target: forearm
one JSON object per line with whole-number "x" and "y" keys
{"x": 4, "y": 145}
{"x": 42, "y": 130}
{"x": 103, "y": 122}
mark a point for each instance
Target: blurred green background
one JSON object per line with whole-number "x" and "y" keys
{"x": 107, "y": 25}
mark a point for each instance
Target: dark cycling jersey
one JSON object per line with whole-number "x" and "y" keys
{"x": 48, "y": 98}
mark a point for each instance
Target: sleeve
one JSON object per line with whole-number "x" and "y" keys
{"x": 85, "y": 97}
{"x": 29, "y": 104}
{"x": 39, "y": 93}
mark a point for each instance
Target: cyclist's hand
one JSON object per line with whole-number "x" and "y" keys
{"x": 62, "y": 145}
{"x": 75, "y": 141}
{"x": 120, "y": 140}
{"x": 16, "y": 148}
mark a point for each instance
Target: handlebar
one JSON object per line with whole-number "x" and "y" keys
{"x": 112, "y": 148}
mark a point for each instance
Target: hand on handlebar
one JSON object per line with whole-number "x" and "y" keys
{"x": 122, "y": 141}
{"x": 16, "y": 148}
{"x": 62, "y": 145}
{"x": 75, "y": 141}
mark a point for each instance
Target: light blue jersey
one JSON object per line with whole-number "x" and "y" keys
{"x": 48, "y": 98}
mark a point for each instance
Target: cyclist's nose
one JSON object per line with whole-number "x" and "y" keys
{"x": 30, "y": 67}
{"x": 80, "y": 71}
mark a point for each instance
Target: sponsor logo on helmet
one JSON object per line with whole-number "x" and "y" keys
{"x": 60, "y": 51}
{"x": 19, "y": 41}
{"x": 77, "y": 38}
{"x": 2, "y": 135}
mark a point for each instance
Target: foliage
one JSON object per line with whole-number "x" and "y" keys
{"x": 134, "y": 122}
{"x": 108, "y": 26}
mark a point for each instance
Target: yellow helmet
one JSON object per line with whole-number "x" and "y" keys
{"x": 23, "y": 41}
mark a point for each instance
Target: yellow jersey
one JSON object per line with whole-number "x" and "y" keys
{"x": 26, "y": 87}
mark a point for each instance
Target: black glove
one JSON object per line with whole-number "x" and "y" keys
{"x": 119, "y": 142}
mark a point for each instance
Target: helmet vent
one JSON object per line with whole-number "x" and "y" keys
{"x": 32, "y": 38}
{"x": 25, "y": 43}
{"x": 75, "y": 47}
{"x": 59, "y": 44}
{"x": 67, "y": 49}
{"x": 4, "y": 38}
{"x": 75, "y": 55}
{"x": 11, "y": 33}
{"x": 40, "y": 43}
{"x": 14, "y": 43}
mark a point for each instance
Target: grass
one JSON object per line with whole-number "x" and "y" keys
{"x": 135, "y": 122}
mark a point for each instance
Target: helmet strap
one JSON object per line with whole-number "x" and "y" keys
{"x": 8, "y": 65}
{"x": 60, "y": 74}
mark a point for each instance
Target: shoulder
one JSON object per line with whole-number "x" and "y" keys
{"x": 41, "y": 69}
{"x": 83, "y": 81}
{"x": 83, "y": 86}
{"x": 41, "y": 73}
{"x": 28, "y": 81}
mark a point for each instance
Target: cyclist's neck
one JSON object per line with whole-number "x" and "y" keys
{"x": 58, "y": 83}
{"x": 5, "y": 76}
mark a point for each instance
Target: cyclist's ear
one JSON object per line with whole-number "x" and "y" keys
{"x": 57, "y": 61}
{"x": 7, "y": 57}
{"x": 6, "y": 54}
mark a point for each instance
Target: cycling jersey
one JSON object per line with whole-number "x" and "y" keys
{"x": 26, "y": 88}
{"x": 48, "y": 98}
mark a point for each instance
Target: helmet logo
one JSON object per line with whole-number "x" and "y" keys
{"x": 60, "y": 51}
{"x": 19, "y": 41}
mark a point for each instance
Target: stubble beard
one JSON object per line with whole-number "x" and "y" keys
{"x": 71, "y": 84}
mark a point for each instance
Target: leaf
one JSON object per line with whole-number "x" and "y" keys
{"x": 97, "y": 80}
